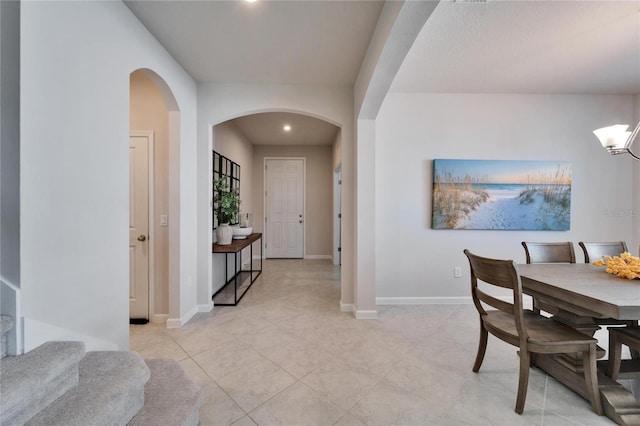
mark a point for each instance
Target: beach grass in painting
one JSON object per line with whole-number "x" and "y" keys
{"x": 501, "y": 194}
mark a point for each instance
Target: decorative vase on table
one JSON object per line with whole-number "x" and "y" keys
{"x": 224, "y": 234}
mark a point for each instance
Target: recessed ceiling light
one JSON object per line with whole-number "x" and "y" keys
{"x": 250, "y": 1}
{"x": 287, "y": 128}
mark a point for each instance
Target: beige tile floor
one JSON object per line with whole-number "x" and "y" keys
{"x": 286, "y": 355}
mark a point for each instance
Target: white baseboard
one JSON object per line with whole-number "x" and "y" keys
{"x": 317, "y": 256}
{"x": 206, "y": 308}
{"x": 174, "y": 323}
{"x": 347, "y": 307}
{"x": 179, "y": 322}
{"x": 159, "y": 318}
{"x": 366, "y": 314}
{"x": 424, "y": 300}
{"x": 38, "y": 332}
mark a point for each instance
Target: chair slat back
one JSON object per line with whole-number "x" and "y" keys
{"x": 549, "y": 252}
{"x": 500, "y": 273}
{"x": 501, "y": 305}
{"x": 594, "y": 251}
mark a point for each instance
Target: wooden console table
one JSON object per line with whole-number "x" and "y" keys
{"x": 242, "y": 279}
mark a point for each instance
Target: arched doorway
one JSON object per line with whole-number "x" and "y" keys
{"x": 154, "y": 245}
{"x": 256, "y": 137}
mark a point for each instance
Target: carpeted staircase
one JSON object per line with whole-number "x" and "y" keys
{"x": 58, "y": 383}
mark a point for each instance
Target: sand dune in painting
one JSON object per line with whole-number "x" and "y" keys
{"x": 505, "y": 210}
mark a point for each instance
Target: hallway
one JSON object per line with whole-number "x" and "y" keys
{"x": 286, "y": 355}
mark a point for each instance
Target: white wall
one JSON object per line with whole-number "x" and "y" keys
{"x": 10, "y": 170}
{"x": 414, "y": 261}
{"x": 10, "y": 141}
{"x": 76, "y": 61}
{"x": 636, "y": 178}
{"x": 398, "y": 26}
{"x": 220, "y": 102}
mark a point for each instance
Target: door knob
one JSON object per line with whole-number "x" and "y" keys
{"x": 142, "y": 238}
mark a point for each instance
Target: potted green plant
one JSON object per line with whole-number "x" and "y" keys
{"x": 226, "y": 207}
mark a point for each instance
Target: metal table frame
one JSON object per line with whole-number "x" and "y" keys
{"x": 240, "y": 275}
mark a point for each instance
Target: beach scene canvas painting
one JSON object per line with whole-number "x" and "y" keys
{"x": 501, "y": 194}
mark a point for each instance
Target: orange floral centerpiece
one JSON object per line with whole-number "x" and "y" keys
{"x": 623, "y": 266}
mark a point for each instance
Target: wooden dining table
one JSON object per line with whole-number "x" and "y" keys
{"x": 582, "y": 295}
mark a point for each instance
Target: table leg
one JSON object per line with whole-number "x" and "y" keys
{"x": 618, "y": 403}
{"x": 235, "y": 283}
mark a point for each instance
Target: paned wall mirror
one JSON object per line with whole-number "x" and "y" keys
{"x": 224, "y": 168}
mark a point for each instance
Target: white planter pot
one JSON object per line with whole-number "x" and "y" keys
{"x": 224, "y": 234}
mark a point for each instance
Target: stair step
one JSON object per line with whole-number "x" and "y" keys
{"x": 30, "y": 382}
{"x": 171, "y": 398}
{"x": 110, "y": 391}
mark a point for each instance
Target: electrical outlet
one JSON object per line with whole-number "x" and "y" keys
{"x": 457, "y": 272}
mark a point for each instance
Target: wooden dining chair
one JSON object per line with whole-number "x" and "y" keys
{"x": 549, "y": 252}
{"x": 629, "y": 336}
{"x": 531, "y": 332}
{"x": 594, "y": 251}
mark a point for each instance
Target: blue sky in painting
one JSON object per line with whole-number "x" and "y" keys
{"x": 501, "y": 171}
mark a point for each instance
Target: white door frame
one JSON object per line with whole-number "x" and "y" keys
{"x": 304, "y": 202}
{"x": 152, "y": 228}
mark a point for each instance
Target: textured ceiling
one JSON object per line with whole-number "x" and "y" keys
{"x": 466, "y": 46}
{"x": 526, "y": 47}
{"x": 281, "y": 42}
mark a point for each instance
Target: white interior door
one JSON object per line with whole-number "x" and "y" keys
{"x": 139, "y": 226}
{"x": 285, "y": 208}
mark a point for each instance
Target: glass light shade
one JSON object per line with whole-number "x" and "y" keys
{"x": 613, "y": 137}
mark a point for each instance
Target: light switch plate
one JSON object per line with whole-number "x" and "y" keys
{"x": 164, "y": 221}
